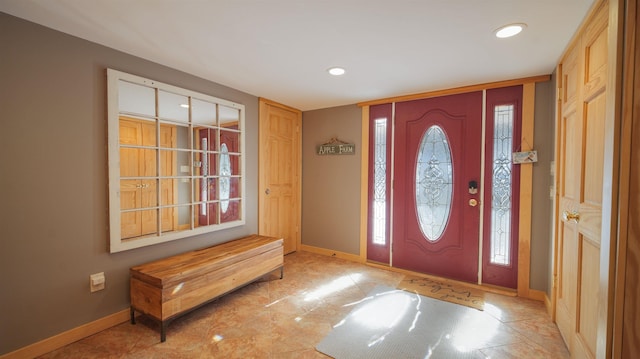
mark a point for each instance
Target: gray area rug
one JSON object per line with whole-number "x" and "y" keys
{"x": 392, "y": 323}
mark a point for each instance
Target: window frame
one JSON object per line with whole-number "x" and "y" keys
{"x": 116, "y": 243}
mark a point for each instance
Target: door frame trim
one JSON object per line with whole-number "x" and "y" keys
{"x": 628, "y": 204}
{"x": 364, "y": 184}
{"x": 483, "y": 169}
{"x": 526, "y": 187}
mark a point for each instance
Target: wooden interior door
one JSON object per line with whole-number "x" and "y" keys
{"x": 138, "y": 193}
{"x": 279, "y": 213}
{"x": 582, "y": 84}
{"x": 143, "y": 193}
{"x": 436, "y": 217}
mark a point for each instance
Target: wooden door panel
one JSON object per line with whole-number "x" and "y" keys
{"x": 588, "y": 305}
{"x": 148, "y": 165}
{"x": 567, "y": 287}
{"x": 595, "y": 54}
{"x": 130, "y": 224}
{"x": 280, "y": 168}
{"x": 129, "y": 199}
{"x": 569, "y": 74}
{"x": 571, "y": 158}
{"x": 594, "y": 149}
{"x": 129, "y": 194}
{"x": 129, "y": 135}
{"x": 149, "y": 198}
{"x": 567, "y": 283}
{"x": 168, "y": 189}
{"x": 168, "y": 214}
{"x": 129, "y": 132}
{"x": 591, "y": 221}
{"x": 581, "y": 149}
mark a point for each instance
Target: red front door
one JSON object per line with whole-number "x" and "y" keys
{"x": 436, "y": 176}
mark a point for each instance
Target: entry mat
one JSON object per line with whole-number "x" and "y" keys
{"x": 393, "y": 323}
{"x": 450, "y": 292}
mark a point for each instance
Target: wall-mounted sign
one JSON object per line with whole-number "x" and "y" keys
{"x": 525, "y": 157}
{"x": 336, "y": 147}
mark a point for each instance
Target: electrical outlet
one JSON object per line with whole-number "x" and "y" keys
{"x": 96, "y": 282}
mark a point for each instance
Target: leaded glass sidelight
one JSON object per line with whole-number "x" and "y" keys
{"x": 380, "y": 182}
{"x": 434, "y": 183}
{"x": 225, "y": 177}
{"x": 502, "y": 188}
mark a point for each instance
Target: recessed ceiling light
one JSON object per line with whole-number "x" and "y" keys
{"x": 510, "y": 30}
{"x": 336, "y": 71}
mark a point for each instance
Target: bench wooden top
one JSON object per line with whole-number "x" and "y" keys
{"x": 175, "y": 269}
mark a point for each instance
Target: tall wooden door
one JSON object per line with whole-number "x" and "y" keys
{"x": 280, "y": 173}
{"x": 136, "y": 192}
{"x": 135, "y": 164}
{"x": 582, "y": 85}
{"x": 436, "y": 180}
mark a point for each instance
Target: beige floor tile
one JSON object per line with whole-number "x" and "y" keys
{"x": 286, "y": 318}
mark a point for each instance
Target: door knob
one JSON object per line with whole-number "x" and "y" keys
{"x": 572, "y": 216}
{"x": 267, "y": 191}
{"x": 473, "y": 202}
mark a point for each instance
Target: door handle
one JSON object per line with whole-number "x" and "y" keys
{"x": 572, "y": 216}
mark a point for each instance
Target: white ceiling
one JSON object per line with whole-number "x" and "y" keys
{"x": 281, "y": 49}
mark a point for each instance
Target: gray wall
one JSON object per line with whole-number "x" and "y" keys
{"x": 53, "y": 181}
{"x": 542, "y": 203}
{"x": 331, "y": 184}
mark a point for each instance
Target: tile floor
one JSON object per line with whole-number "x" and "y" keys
{"x": 286, "y": 318}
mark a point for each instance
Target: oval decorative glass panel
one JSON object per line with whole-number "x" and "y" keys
{"x": 434, "y": 183}
{"x": 225, "y": 177}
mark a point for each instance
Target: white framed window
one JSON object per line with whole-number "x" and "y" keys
{"x": 176, "y": 166}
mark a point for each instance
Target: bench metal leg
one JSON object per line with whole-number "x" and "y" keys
{"x": 163, "y": 331}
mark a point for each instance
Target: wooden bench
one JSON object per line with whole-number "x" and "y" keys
{"x": 169, "y": 287}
